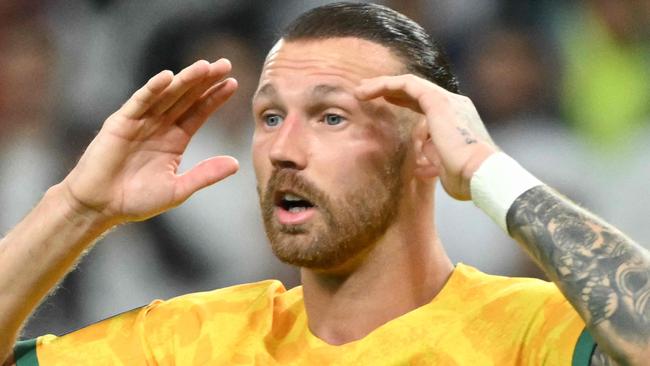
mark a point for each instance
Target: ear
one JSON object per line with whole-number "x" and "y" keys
{"x": 427, "y": 163}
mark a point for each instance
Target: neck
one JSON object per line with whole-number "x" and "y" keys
{"x": 405, "y": 270}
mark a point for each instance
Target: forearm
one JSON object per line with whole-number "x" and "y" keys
{"x": 36, "y": 254}
{"x": 604, "y": 274}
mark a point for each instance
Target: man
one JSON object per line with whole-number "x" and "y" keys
{"x": 352, "y": 129}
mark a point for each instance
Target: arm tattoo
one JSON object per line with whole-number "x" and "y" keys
{"x": 604, "y": 274}
{"x": 600, "y": 359}
{"x": 469, "y": 139}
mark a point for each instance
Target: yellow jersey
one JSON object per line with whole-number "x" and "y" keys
{"x": 476, "y": 319}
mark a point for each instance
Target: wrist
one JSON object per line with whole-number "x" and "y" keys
{"x": 497, "y": 183}
{"x": 76, "y": 212}
{"x": 482, "y": 152}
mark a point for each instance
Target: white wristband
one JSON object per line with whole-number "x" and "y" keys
{"x": 497, "y": 183}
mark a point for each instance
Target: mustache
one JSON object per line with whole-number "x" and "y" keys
{"x": 291, "y": 180}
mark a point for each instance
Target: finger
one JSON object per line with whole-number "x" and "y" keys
{"x": 184, "y": 80}
{"x": 212, "y": 99}
{"x": 205, "y": 173}
{"x": 144, "y": 97}
{"x": 404, "y": 90}
{"x": 216, "y": 72}
{"x": 395, "y": 87}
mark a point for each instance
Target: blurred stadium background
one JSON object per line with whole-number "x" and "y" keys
{"x": 564, "y": 87}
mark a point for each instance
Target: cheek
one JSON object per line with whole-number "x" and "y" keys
{"x": 261, "y": 163}
{"x": 355, "y": 161}
{"x": 374, "y": 148}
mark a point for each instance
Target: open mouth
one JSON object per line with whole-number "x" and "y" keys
{"x": 293, "y": 209}
{"x": 293, "y": 203}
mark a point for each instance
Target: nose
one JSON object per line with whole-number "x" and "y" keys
{"x": 288, "y": 149}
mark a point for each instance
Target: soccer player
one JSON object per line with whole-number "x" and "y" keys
{"x": 356, "y": 117}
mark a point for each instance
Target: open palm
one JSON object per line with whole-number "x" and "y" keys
{"x": 458, "y": 142}
{"x": 129, "y": 171}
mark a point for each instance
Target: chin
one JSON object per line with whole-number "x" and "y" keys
{"x": 315, "y": 252}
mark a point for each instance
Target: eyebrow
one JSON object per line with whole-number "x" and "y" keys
{"x": 322, "y": 90}
{"x": 267, "y": 90}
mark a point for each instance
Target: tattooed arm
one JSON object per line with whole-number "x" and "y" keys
{"x": 601, "y": 359}
{"x": 604, "y": 274}
{"x": 601, "y": 272}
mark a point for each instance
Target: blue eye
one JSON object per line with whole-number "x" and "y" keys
{"x": 333, "y": 119}
{"x": 272, "y": 120}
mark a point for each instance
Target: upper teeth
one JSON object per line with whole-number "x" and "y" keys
{"x": 292, "y": 197}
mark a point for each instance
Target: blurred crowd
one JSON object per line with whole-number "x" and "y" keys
{"x": 564, "y": 87}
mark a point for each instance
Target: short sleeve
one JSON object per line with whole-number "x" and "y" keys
{"x": 114, "y": 341}
{"x": 557, "y": 335}
{"x": 179, "y": 330}
{"x": 584, "y": 349}
{"x": 25, "y": 353}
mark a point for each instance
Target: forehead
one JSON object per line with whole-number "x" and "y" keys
{"x": 348, "y": 59}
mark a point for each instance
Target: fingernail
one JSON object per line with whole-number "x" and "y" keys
{"x": 224, "y": 61}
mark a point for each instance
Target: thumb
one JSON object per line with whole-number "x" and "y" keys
{"x": 205, "y": 173}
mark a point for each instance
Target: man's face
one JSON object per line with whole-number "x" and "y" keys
{"x": 328, "y": 166}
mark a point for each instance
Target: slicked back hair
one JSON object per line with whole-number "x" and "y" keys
{"x": 420, "y": 54}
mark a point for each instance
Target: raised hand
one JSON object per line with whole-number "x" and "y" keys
{"x": 458, "y": 143}
{"x": 129, "y": 171}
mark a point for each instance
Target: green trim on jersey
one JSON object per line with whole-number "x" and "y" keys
{"x": 584, "y": 349}
{"x": 25, "y": 353}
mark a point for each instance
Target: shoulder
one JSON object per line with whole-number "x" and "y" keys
{"x": 242, "y": 291}
{"x": 222, "y": 315}
{"x": 533, "y": 313}
{"x": 503, "y": 297}
{"x": 473, "y": 282}
{"x": 228, "y": 299}
{"x": 174, "y": 329}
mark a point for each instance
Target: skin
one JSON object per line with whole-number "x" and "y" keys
{"x": 404, "y": 258}
{"x": 129, "y": 173}
{"x": 302, "y": 89}
{"x": 604, "y": 274}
